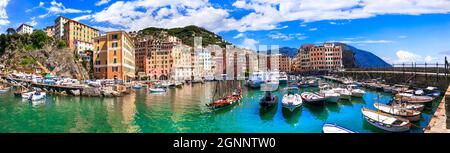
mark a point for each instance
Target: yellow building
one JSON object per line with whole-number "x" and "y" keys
{"x": 114, "y": 56}
{"x": 78, "y": 36}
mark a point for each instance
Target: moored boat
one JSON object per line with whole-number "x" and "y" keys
{"x": 291, "y": 101}
{"x": 417, "y": 99}
{"x": 333, "y": 128}
{"x": 157, "y": 89}
{"x": 4, "y": 89}
{"x": 269, "y": 100}
{"x": 418, "y": 107}
{"x": 386, "y": 121}
{"x": 330, "y": 96}
{"x": 37, "y": 96}
{"x": 411, "y": 115}
{"x": 344, "y": 93}
{"x": 312, "y": 98}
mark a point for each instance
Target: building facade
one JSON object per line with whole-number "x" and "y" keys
{"x": 114, "y": 56}
{"x": 324, "y": 57}
{"x": 79, "y": 36}
{"x": 182, "y": 64}
{"x": 24, "y": 29}
{"x": 154, "y": 56}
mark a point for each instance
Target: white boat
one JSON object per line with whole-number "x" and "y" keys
{"x": 312, "y": 98}
{"x": 37, "y": 96}
{"x": 157, "y": 89}
{"x": 419, "y": 92}
{"x": 418, "y": 99}
{"x": 386, "y": 121}
{"x": 283, "y": 78}
{"x": 330, "y": 96}
{"x": 408, "y": 106}
{"x": 292, "y": 101}
{"x": 333, "y": 128}
{"x": 358, "y": 92}
{"x": 344, "y": 93}
{"x": 27, "y": 95}
{"x": 411, "y": 115}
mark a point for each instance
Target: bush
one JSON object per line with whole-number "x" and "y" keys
{"x": 26, "y": 61}
{"x": 39, "y": 38}
{"x": 61, "y": 44}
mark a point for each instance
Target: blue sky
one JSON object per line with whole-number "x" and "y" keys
{"x": 395, "y": 30}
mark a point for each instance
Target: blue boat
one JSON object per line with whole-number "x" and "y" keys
{"x": 333, "y": 128}
{"x": 137, "y": 86}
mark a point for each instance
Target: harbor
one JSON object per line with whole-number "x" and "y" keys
{"x": 185, "y": 109}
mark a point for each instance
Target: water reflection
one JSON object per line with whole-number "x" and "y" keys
{"x": 291, "y": 117}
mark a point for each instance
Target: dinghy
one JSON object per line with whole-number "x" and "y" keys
{"x": 333, "y": 128}
{"x": 37, "y": 96}
{"x": 386, "y": 121}
{"x": 411, "y": 115}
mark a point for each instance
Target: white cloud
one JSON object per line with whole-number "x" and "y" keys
{"x": 285, "y": 37}
{"x": 58, "y": 8}
{"x": 303, "y": 25}
{"x": 313, "y": 29}
{"x": 83, "y": 17}
{"x": 249, "y": 43}
{"x": 101, "y": 2}
{"x": 409, "y": 57}
{"x": 32, "y": 22}
{"x": 41, "y": 4}
{"x": 3, "y": 15}
{"x": 107, "y": 29}
{"x": 333, "y": 23}
{"x": 353, "y": 41}
{"x": 240, "y": 35}
{"x": 402, "y": 37}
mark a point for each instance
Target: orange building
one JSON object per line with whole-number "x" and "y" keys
{"x": 324, "y": 57}
{"x": 114, "y": 56}
{"x": 78, "y": 36}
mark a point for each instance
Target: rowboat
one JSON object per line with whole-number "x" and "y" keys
{"x": 291, "y": 101}
{"x": 411, "y": 115}
{"x": 386, "y": 121}
{"x": 313, "y": 98}
{"x": 226, "y": 102}
{"x": 333, "y": 128}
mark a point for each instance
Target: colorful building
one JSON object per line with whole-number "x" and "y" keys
{"x": 114, "y": 56}
{"x": 182, "y": 63}
{"x": 78, "y": 36}
{"x": 324, "y": 57}
{"x": 24, "y": 29}
{"x": 50, "y": 30}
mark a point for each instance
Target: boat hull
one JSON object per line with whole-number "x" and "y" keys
{"x": 332, "y": 128}
{"x": 390, "y": 129}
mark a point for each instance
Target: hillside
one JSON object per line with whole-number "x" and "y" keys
{"x": 361, "y": 58}
{"x": 187, "y": 34}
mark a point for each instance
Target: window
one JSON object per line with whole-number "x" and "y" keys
{"x": 115, "y": 69}
{"x": 115, "y": 60}
{"x": 114, "y": 44}
{"x": 114, "y": 37}
{"x": 115, "y": 52}
{"x": 98, "y": 69}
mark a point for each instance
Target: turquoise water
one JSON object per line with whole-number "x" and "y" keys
{"x": 182, "y": 110}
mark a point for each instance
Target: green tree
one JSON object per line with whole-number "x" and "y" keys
{"x": 62, "y": 44}
{"x": 39, "y": 38}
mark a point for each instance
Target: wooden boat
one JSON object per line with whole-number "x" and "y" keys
{"x": 333, "y": 128}
{"x": 4, "y": 89}
{"x": 411, "y": 115}
{"x": 386, "y": 121}
{"x": 407, "y": 106}
{"x": 312, "y": 98}
{"x": 418, "y": 99}
{"x": 291, "y": 101}
{"x": 224, "y": 99}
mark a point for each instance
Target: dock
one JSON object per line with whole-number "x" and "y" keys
{"x": 440, "y": 122}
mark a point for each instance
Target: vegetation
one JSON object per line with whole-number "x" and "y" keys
{"x": 37, "y": 40}
{"x": 187, "y": 35}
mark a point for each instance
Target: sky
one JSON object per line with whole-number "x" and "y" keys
{"x": 396, "y": 30}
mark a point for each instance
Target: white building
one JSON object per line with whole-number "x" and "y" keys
{"x": 182, "y": 64}
{"x": 24, "y": 28}
{"x": 203, "y": 65}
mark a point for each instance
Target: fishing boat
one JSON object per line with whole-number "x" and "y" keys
{"x": 313, "y": 98}
{"x": 37, "y": 96}
{"x": 411, "y": 115}
{"x": 386, "y": 121}
{"x": 333, "y": 128}
{"x": 222, "y": 98}
{"x": 269, "y": 100}
{"x": 344, "y": 93}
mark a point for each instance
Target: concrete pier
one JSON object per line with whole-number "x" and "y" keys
{"x": 440, "y": 122}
